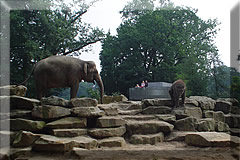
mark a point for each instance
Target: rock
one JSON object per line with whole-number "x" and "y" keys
{"x": 107, "y": 132}
{"x": 217, "y": 116}
{"x": 108, "y": 109}
{"x": 147, "y": 139}
{"x": 207, "y": 124}
{"x": 88, "y": 112}
{"x": 55, "y": 101}
{"x": 112, "y": 99}
{"x": 129, "y": 112}
{"x": 17, "y": 102}
{"x": 128, "y": 105}
{"x": 25, "y": 139}
{"x": 205, "y": 103}
{"x": 177, "y": 136}
{"x": 208, "y": 114}
{"x": 233, "y": 120}
{"x": 234, "y": 101}
{"x": 167, "y": 118}
{"x": 210, "y": 139}
{"x": 190, "y": 102}
{"x": 157, "y": 110}
{"x": 224, "y": 106}
{"x": 138, "y": 117}
{"x": 183, "y": 112}
{"x": 105, "y": 122}
{"x": 49, "y": 143}
{"x": 186, "y": 124}
{"x": 69, "y": 132}
{"x": 50, "y": 112}
{"x": 67, "y": 123}
{"x": 235, "y": 109}
{"x": 13, "y": 90}
{"x": 19, "y": 113}
{"x": 85, "y": 142}
{"x": 148, "y": 127}
{"x": 222, "y": 127}
{"x": 119, "y": 98}
{"x": 235, "y": 131}
{"x": 112, "y": 142}
{"x": 26, "y": 125}
{"x": 83, "y": 102}
{"x": 18, "y": 153}
{"x": 107, "y": 99}
{"x": 156, "y": 102}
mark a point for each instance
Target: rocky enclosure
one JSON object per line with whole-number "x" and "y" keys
{"x": 82, "y": 128}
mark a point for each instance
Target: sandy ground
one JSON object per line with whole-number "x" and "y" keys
{"x": 161, "y": 151}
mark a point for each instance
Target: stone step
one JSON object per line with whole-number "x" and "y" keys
{"x": 68, "y": 122}
{"x": 148, "y": 127}
{"x": 69, "y": 132}
{"x": 112, "y": 142}
{"x": 211, "y": 139}
{"x": 107, "y": 121}
{"x": 49, "y": 143}
{"x": 147, "y": 139}
{"x": 107, "y": 132}
{"x": 157, "y": 110}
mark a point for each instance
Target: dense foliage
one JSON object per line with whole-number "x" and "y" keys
{"x": 37, "y": 34}
{"x": 162, "y": 44}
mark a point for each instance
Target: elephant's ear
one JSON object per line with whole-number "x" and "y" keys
{"x": 85, "y": 68}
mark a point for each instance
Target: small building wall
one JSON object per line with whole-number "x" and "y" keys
{"x": 154, "y": 90}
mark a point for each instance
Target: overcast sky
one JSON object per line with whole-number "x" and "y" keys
{"x": 105, "y": 15}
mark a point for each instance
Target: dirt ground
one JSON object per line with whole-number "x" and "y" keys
{"x": 161, "y": 151}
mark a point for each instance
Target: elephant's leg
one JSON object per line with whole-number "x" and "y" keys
{"x": 172, "y": 98}
{"x": 74, "y": 89}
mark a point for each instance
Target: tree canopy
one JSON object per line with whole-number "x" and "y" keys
{"x": 37, "y": 34}
{"x": 160, "y": 44}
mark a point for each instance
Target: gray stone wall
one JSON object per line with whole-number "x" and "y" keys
{"x": 154, "y": 90}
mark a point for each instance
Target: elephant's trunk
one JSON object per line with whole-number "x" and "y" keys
{"x": 100, "y": 84}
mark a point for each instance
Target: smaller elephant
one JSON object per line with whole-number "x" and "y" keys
{"x": 176, "y": 91}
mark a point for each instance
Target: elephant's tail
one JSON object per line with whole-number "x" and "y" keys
{"x": 27, "y": 77}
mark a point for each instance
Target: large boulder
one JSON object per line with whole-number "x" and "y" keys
{"x": 106, "y": 121}
{"x": 183, "y": 112}
{"x": 113, "y": 99}
{"x": 156, "y": 102}
{"x": 222, "y": 127}
{"x": 148, "y": 127}
{"x": 224, "y": 106}
{"x": 68, "y": 122}
{"x": 83, "y": 102}
{"x": 55, "y": 101}
{"x": 205, "y": 103}
{"x": 186, "y": 124}
{"x": 107, "y": 132}
{"x": 50, "y": 112}
{"x": 108, "y": 109}
{"x": 13, "y": 90}
{"x": 88, "y": 112}
{"x": 157, "y": 110}
{"x": 55, "y": 144}
{"x": 147, "y": 139}
{"x": 25, "y": 139}
{"x": 233, "y": 120}
{"x": 207, "y": 124}
{"x": 217, "y": 116}
{"x": 167, "y": 118}
{"x": 74, "y": 132}
{"x": 112, "y": 142}
{"x": 26, "y": 125}
{"x": 211, "y": 139}
{"x": 17, "y": 102}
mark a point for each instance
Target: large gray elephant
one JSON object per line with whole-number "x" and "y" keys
{"x": 64, "y": 71}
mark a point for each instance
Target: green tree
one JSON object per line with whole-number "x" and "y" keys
{"x": 159, "y": 45}
{"x": 235, "y": 87}
{"x": 37, "y": 34}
